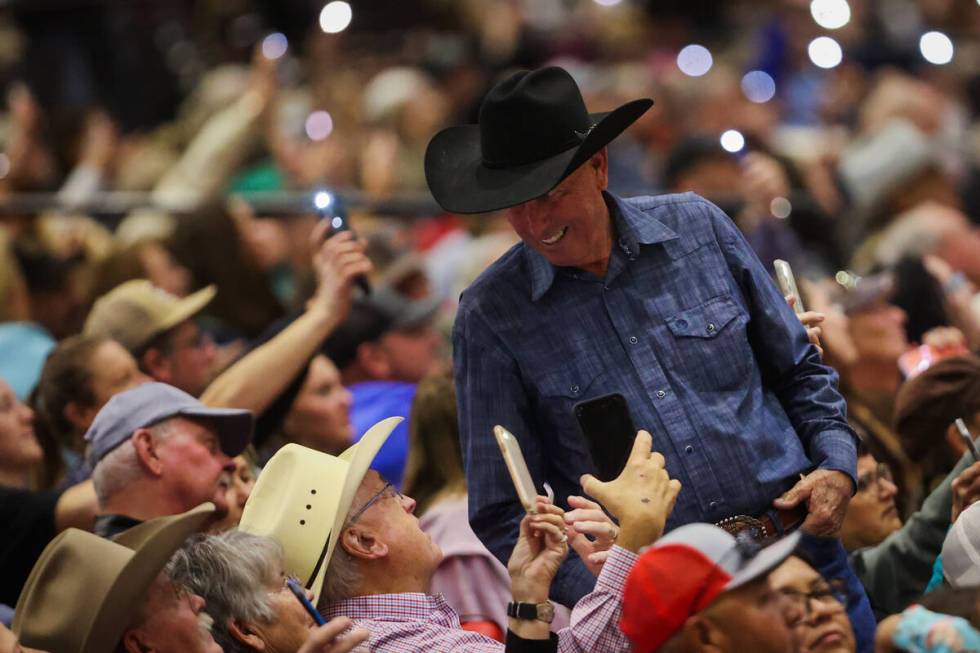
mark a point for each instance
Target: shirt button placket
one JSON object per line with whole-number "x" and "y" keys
{"x": 634, "y": 340}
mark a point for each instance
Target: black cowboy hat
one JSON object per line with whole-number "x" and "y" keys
{"x": 534, "y": 131}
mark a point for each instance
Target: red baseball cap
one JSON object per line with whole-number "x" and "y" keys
{"x": 683, "y": 573}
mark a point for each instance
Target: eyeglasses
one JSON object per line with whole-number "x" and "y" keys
{"x": 873, "y": 479}
{"x": 387, "y": 491}
{"x": 831, "y": 595}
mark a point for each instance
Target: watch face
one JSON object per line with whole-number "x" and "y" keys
{"x": 546, "y": 612}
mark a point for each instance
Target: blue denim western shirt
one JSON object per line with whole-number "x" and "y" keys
{"x": 688, "y": 326}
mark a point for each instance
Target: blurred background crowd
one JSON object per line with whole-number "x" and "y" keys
{"x": 184, "y": 143}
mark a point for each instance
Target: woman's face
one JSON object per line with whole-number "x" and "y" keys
{"x": 871, "y": 514}
{"x": 320, "y": 416}
{"x": 824, "y": 626}
{"x": 878, "y": 331}
{"x": 19, "y": 449}
{"x": 239, "y": 489}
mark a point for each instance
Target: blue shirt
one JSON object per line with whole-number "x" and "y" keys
{"x": 688, "y": 327}
{"x": 378, "y": 400}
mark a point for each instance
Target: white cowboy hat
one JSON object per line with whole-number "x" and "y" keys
{"x": 303, "y": 497}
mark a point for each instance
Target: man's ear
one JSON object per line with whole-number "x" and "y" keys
{"x": 133, "y": 643}
{"x": 373, "y": 360}
{"x": 245, "y": 634}
{"x": 146, "y": 452}
{"x": 156, "y": 365}
{"x": 363, "y": 543}
{"x": 701, "y": 634}
{"x": 600, "y": 163}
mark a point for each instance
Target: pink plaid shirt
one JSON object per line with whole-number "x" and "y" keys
{"x": 411, "y": 622}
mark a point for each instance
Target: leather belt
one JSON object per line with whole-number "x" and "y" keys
{"x": 763, "y": 528}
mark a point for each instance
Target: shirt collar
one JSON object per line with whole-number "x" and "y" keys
{"x": 633, "y": 226}
{"x": 405, "y": 606}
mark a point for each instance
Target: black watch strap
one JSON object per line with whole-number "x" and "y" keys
{"x": 527, "y": 611}
{"x": 531, "y": 611}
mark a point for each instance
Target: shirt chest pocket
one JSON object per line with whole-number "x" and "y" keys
{"x": 558, "y": 390}
{"x": 710, "y": 347}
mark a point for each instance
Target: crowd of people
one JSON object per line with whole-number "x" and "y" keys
{"x": 231, "y": 419}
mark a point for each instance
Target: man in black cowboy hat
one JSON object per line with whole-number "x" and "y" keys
{"x": 659, "y": 299}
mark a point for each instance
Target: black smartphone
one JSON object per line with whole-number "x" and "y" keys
{"x": 609, "y": 433}
{"x": 330, "y": 207}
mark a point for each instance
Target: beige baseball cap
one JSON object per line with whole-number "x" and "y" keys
{"x": 135, "y": 312}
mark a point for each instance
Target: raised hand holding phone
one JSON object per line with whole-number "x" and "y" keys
{"x": 510, "y": 449}
{"x": 329, "y": 207}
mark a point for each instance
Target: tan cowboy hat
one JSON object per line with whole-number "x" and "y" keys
{"x": 84, "y": 589}
{"x": 303, "y": 497}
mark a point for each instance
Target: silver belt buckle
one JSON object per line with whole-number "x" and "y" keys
{"x": 744, "y": 525}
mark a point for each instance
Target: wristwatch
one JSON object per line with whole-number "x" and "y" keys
{"x": 532, "y": 611}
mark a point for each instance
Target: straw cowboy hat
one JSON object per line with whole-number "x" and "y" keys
{"x": 303, "y": 497}
{"x": 533, "y": 131}
{"x": 84, "y": 589}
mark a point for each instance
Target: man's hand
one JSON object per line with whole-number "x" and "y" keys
{"x": 966, "y": 490}
{"x": 641, "y": 497}
{"x": 541, "y": 547}
{"x": 593, "y": 532}
{"x": 826, "y": 494}
{"x": 338, "y": 261}
{"x": 331, "y": 638}
{"x": 811, "y": 321}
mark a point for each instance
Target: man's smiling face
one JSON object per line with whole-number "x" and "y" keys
{"x": 570, "y": 225}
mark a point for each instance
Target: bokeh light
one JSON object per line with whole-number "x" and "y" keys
{"x": 694, "y": 60}
{"x": 936, "y": 48}
{"x": 830, "y": 14}
{"x": 608, "y": 3}
{"x": 319, "y": 124}
{"x": 732, "y": 140}
{"x": 758, "y": 86}
{"x": 780, "y": 207}
{"x": 274, "y": 45}
{"x": 825, "y": 52}
{"x": 335, "y": 17}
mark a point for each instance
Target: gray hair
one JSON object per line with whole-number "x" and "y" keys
{"x": 230, "y": 571}
{"x": 119, "y": 468}
{"x": 342, "y": 578}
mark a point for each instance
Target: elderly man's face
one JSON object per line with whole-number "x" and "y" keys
{"x": 570, "y": 225}
{"x": 195, "y": 468}
{"x": 391, "y": 517}
{"x": 173, "y": 622}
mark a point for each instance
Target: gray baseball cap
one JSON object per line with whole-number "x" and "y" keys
{"x": 151, "y": 403}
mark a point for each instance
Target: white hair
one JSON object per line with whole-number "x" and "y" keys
{"x": 119, "y": 468}
{"x": 231, "y": 571}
